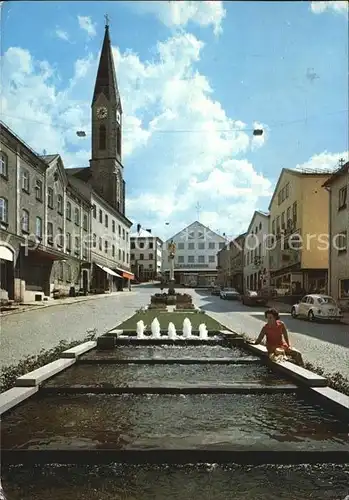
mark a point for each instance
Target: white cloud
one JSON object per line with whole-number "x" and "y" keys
{"x": 340, "y": 7}
{"x": 85, "y": 23}
{"x": 324, "y": 161}
{"x": 179, "y": 13}
{"x": 63, "y": 35}
{"x": 179, "y": 144}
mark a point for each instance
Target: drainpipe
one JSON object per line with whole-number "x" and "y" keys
{"x": 329, "y": 272}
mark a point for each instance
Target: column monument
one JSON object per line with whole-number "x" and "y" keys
{"x": 171, "y": 256}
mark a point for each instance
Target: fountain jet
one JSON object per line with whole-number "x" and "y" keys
{"x": 140, "y": 329}
{"x": 171, "y": 331}
{"x": 155, "y": 328}
{"x": 187, "y": 328}
{"x": 203, "y": 333}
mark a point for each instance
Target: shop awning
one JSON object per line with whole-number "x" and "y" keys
{"x": 108, "y": 271}
{"x": 6, "y": 253}
{"x": 126, "y": 274}
{"x": 45, "y": 252}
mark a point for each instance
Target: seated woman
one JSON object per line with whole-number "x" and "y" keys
{"x": 277, "y": 340}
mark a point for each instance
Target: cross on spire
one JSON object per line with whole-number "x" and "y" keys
{"x": 106, "y": 17}
{"x": 341, "y": 162}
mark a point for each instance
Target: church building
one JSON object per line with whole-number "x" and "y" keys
{"x": 103, "y": 182}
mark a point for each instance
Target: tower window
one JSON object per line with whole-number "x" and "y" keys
{"x": 118, "y": 141}
{"x": 102, "y": 137}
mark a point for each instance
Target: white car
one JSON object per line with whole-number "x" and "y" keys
{"x": 316, "y": 306}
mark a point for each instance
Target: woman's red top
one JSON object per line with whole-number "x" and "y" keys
{"x": 274, "y": 335}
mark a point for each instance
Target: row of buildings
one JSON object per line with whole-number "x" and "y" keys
{"x": 301, "y": 244}
{"x": 64, "y": 231}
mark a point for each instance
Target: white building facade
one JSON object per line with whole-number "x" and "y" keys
{"x": 256, "y": 258}
{"x": 146, "y": 254}
{"x": 196, "y": 255}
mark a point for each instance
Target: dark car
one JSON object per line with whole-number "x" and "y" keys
{"x": 251, "y": 298}
{"x": 216, "y": 290}
{"x": 229, "y": 294}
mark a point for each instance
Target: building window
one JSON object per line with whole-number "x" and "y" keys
{"x": 3, "y": 165}
{"x": 94, "y": 211}
{"x": 201, "y": 246}
{"x": 120, "y": 254}
{"x": 38, "y": 190}
{"x": 211, "y": 245}
{"x": 101, "y": 216}
{"x": 84, "y": 251}
{"x": 119, "y": 230}
{"x": 3, "y": 210}
{"x": 287, "y": 190}
{"x": 85, "y": 223}
{"x": 68, "y": 211}
{"x": 102, "y": 137}
{"x": 127, "y": 258}
{"x": 60, "y": 237}
{"x": 100, "y": 245}
{"x": 344, "y": 289}
{"x": 191, "y": 246}
{"x": 180, "y": 246}
{"x": 77, "y": 246}
{"x": 190, "y": 259}
{"x": 123, "y": 234}
{"x": 273, "y": 227}
{"x": 113, "y": 250}
{"x": 25, "y": 180}
{"x": 201, "y": 259}
{"x": 25, "y": 221}
{"x": 113, "y": 226}
{"x": 151, "y": 246}
{"x": 94, "y": 240}
{"x": 221, "y": 246}
{"x": 141, "y": 256}
{"x": 260, "y": 226}
{"x": 106, "y": 220}
{"x": 127, "y": 237}
{"x": 212, "y": 258}
{"x": 68, "y": 242}
{"x": 118, "y": 141}
{"x": 294, "y": 212}
{"x": 150, "y": 266}
{"x": 123, "y": 256}
{"x": 133, "y": 245}
{"x": 77, "y": 217}
{"x": 38, "y": 227}
{"x": 60, "y": 204}
{"x": 141, "y": 244}
{"x": 151, "y": 256}
{"x": 342, "y": 198}
{"x": 50, "y": 233}
{"x": 342, "y": 242}
{"x": 106, "y": 246}
{"x": 283, "y": 220}
{"x": 180, "y": 259}
{"x": 132, "y": 256}
{"x": 50, "y": 198}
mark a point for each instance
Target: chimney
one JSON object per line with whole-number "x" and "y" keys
{"x": 149, "y": 230}
{"x": 138, "y": 228}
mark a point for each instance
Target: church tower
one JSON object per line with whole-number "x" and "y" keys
{"x": 106, "y": 160}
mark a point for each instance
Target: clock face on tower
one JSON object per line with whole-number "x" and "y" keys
{"x": 102, "y": 113}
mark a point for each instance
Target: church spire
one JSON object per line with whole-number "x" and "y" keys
{"x": 106, "y": 80}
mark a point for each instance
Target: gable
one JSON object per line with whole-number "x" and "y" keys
{"x": 196, "y": 230}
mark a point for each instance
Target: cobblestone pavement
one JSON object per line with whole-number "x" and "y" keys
{"x": 323, "y": 344}
{"x": 28, "y": 332}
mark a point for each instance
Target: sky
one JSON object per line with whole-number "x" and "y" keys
{"x": 195, "y": 78}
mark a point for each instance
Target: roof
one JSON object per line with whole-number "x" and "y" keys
{"x": 143, "y": 233}
{"x": 263, "y": 214}
{"x": 106, "y": 78}
{"x": 49, "y": 158}
{"x": 192, "y": 224}
{"x": 298, "y": 173}
{"x": 337, "y": 174}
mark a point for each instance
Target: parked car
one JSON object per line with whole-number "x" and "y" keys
{"x": 252, "y": 298}
{"x": 216, "y": 290}
{"x": 229, "y": 294}
{"x": 317, "y": 307}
